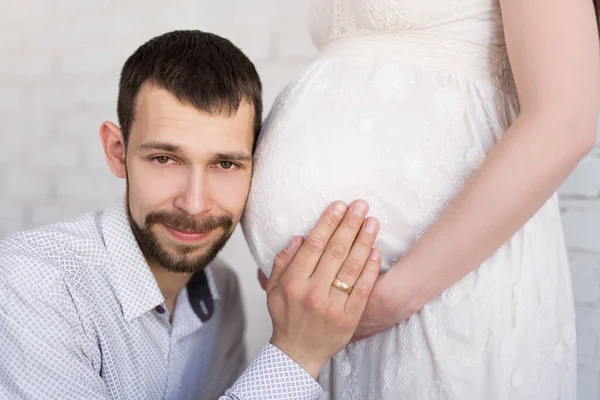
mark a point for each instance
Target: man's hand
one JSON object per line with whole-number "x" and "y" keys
{"x": 313, "y": 320}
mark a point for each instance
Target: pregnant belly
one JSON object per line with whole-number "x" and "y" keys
{"x": 403, "y": 138}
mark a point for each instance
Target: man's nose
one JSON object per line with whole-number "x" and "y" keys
{"x": 194, "y": 197}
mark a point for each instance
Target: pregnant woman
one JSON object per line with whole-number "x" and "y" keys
{"x": 413, "y": 106}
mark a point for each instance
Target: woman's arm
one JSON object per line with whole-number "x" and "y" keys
{"x": 553, "y": 48}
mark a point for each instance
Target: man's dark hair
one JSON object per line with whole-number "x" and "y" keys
{"x": 198, "y": 68}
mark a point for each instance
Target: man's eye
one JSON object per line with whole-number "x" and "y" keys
{"x": 226, "y": 164}
{"x": 162, "y": 159}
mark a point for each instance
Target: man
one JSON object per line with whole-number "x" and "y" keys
{"x": 127, "y": 303}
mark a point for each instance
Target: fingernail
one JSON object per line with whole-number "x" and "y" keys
{"x": 375, "y": 255}
{"x": 359, "y": 208}
{"x": 371, "y": 225}
{"x": 292, "y": 244}
{"x": 339, "y": 209}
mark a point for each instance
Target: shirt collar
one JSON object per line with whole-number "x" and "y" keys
{"x": 128, "y": 272}
{"x": 132, "y": 279}
{"x": 202, "y": 294}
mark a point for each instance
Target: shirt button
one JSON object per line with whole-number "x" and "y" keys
{"x": 160, "y": 309}
{"x": 345, "y": 368}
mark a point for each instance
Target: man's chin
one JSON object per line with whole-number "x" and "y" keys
{"x": 186, "y": 253}
{"x": 182, "y": 256}
{"x": 187, "y": 258}
{"x": 184, "y": 264}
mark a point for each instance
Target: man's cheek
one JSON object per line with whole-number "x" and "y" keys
{"x": 156, "y": 193}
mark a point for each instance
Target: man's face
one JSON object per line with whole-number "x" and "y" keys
{"x": 188, "y": 178}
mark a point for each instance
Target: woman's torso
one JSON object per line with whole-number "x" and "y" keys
{"x": 400, "y": 108}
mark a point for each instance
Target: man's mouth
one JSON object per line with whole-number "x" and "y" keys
{"x": 187, "y": 235}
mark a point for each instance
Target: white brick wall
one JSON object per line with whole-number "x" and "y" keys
{"x": 580, "y": 205}
{"x": 59, "y": 68}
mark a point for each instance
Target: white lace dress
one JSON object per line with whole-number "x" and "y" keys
{"x": 403, "y": 103}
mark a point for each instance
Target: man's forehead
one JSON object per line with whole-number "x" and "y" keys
{"x": 154, "y": 101}
{"x": 161, "y": 117}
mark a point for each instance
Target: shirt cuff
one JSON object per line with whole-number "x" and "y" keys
{"x": 273, "y": 375}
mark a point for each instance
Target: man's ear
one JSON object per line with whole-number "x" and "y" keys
{"x": 114, "y": 148}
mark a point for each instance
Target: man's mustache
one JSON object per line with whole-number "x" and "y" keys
{"x": 185, "y": 222}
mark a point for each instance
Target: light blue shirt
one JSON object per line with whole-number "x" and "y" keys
{"x": 81, "y": 316}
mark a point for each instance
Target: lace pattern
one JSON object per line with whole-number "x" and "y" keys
{"x": 401, "y": 107}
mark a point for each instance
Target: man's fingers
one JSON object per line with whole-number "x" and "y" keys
{"x": 315, "y": 243}
{"x": 340, "y": 244}
{"x": 282, "y": 261}
{"x": 357, "y": 300}
{"x": 356, "y": 260}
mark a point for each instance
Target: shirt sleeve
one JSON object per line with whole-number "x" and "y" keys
{"x": 274, "y": 376}
{"x": 42, "y": 356}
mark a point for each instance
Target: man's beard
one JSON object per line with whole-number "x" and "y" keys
{"x": 179, "y": 258}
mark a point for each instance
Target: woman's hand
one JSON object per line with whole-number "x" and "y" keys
{"x": 557, "y": 77}
{"x": 391, "y": 302}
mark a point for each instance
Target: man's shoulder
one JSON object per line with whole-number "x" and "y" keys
{"x": 37, "y": 259}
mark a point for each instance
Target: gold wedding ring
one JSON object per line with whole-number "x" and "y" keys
{"x": 342, "y": 286}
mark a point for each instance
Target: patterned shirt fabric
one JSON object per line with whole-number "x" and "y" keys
{"x": 82, "y": 317}
{"x": 274, "y": 376}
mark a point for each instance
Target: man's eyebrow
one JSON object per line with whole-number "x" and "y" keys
{"x": 234, "y": 156}
{"x": 159, "y": 146}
